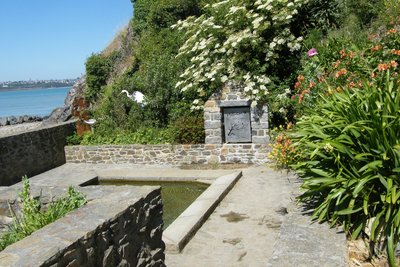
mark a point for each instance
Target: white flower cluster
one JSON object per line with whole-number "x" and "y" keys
{"x": 217, "y": 42}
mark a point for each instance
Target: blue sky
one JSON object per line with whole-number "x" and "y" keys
{"x": 51, "y": 39}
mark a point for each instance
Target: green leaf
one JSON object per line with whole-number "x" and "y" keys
{"x": 390, "y": 250}
{"x": 383, "y": 180}
{"x": 349, "y": 211}
{"x": 320, "y": 172}
{"x": 393, "y": 194}
{"x": 396, "y": 170}
{"x": 375, "y": 226}
{"x": 355, "y": 234}
{"x": 365, "y": 205}
{"x": 362, "y": 156}
{"x": 361, "y": 183}
{"x": 374, "y": 165}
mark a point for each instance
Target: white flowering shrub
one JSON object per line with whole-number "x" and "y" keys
{"x": 237, "y": 40}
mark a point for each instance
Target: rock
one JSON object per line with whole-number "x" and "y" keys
{"x": 20, "y": 119}
{"x": 60, "y": 114}
{"x": 72, "y": 104}
{"x": 25, "y": 118}
{"x": 12, "y": 120}
{"x": 3, "y": 121}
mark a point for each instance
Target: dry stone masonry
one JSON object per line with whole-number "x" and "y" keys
{"x": 175, "y": 155}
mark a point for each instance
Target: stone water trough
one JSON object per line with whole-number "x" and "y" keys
{"x": 119, "y": 225}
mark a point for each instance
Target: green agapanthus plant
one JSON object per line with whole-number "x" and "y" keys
{"x": 350, "y": 147}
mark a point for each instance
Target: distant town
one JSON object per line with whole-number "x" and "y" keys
{"x": 37, "y": 84}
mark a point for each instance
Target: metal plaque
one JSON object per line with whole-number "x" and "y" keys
{"x": 237, "y": 125}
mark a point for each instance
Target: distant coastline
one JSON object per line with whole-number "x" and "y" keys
{"x": 31, "y": 88}
{"x": 39, "y": 84}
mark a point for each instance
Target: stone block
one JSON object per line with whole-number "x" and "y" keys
{"x": 260, "y": 139}
{"x": 210, "y": 104}
{"x": 209, "y": 146}
{"x": 216, "y": 116}
{"x": 213, "y": 140}
{"x": 259, "y": 125}
{"x": 213, "y": 159}
{"x": 212, "y": 124}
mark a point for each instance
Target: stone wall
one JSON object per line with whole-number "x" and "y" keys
{"x": 232, "y": 95}
{"x": 169, "y": 154}
{"x": 32, "y": 152}
{"x": 118, "y": 228}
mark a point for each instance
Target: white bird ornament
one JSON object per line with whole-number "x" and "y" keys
{"x": 135, "y": 96}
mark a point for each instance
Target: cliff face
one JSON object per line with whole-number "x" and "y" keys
{"x": 75, "y": 104}
{"x": 74, "y": 107}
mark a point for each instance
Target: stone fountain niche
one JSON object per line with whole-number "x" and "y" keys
{"x": 230, "y": 117}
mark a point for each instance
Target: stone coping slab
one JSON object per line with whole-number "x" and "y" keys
{"x": 103, "y": 203}
{"x": 178, "y": 234}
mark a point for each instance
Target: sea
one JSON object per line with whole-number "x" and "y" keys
{"x": 32, "y": 101}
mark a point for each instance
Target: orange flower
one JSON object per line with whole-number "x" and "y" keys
{"x": 392, "y": 31}
{"x": 352, "y": 85}
{"x": 337, "y": 63}
{"x": 373, "y": 75}
{"x": 376, "y": 47}
{"x": 396, "y": 52}
{"x": 301, "y": 98}
{"x": 300, "y": 78}
{"x": 352, "y": 54}
{"x": 383, "y": 67}
{"x": 342, "y": 53}
{"x": 311, "y": 85}
{"x": 297, "y": 85}
{"x": 394, "y": 64}
{"x": 340, "y": 73}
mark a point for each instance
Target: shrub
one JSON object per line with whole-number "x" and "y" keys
{"x": 97, "y": 72}
{"x": 34, "y": 216}
{"x": 145, "y": 135}
{"x": 350, "y": 159}
{"x": 74, "y": 139}
{"x": 188, "y": 129}
{"x": 239, "y": 40}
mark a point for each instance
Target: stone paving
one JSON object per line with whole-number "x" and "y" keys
{"x": 303, "y": 243}
{"x": 258, "y": 224}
